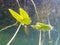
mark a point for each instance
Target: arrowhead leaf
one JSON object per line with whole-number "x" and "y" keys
{"x": 16, "y": 15}
{"x": 23, "y": 17}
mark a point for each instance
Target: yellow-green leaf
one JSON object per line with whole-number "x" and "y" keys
{"x": 16, "y": 15}
{"x": 26, "y": 18}
{"x": 23, "y": 17}
{"x": 42, "y": 26}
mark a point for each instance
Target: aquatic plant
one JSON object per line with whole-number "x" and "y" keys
{"x": 40, "y": 43}
{"x": 22, "y": 18}
{"x": 42, "y": 27}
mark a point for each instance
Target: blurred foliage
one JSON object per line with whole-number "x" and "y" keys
{"x": 44, "y": 7}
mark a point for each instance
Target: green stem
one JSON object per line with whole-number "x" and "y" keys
{"x": 14, "y": 35}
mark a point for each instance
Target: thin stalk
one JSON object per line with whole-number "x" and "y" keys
{"x": 49, "y": 34}
{"x": 50, "y": 24}
{"x": 35, "y": 9}
{"x": 56, "y": 43}
{"x": 43, "y": 38}
{"x": 49, "y": 30}
{"x": 50, "y": 41}
{"x": 18, "y": 3}
{"x": 25, "y": 2}
{"x": 8, "y": 26}
{"x": 14, "y": 35}
{"x": 40, "y": 43}
{"x": 49, "y": 21}
{"x": 57, "y": 40}
{"x": 12, "y": 24}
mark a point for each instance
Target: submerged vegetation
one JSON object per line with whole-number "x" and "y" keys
{"x": 42, "y": 26}
{"x": 24, "y": 19}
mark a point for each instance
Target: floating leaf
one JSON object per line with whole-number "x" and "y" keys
{"x": 23, "y": 17}
{"x": 26, "y": 18}
{"x": 16, "y": 15}
{"x": 42, "y": 26}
